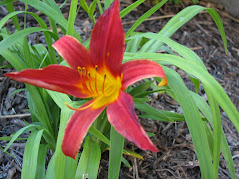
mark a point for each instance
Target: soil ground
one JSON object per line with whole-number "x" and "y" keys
{"x": 176, "y": 157}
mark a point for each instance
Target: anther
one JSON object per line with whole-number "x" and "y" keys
{"x": 96, "y": 68}
{"x": 83, "y": 70}
{"x": 88, "y": 74}
{"x": 79, "y": 70}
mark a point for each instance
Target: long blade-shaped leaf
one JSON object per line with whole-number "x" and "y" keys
{"x": 12, "y": 39}
{"x": 41, "y": 161}
{"x": 52, "y": 13}
{"x": 205, "y": 109}
{"x": 64, "y": 167}
{"x": 89, "y": 160}
{"x": 178, "y": 21}
{"x": 217, "y": 128}
{"x": 116, "y": 149}
{"x": 145, "y": 16}
{"x": 194, "y": 122}
{"x": 29, "y": 166}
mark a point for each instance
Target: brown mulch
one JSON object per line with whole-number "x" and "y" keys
{"x": 176, "y": 157}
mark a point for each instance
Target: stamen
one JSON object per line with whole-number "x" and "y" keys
{"x": 84, "y": 71}
{"x": 85, "y": 107}
{"x": 80, "y": 108}
{"x": 88, "y": 75}
{"x": 84, "y": 81}
{"x": 103, "y": 85}
{"x": 164, "y": 82}
{"x": 80, "y": 71}
{"x": 96, "y": 68}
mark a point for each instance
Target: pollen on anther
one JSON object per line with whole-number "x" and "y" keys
{"x": 79, "y": 70}
{"x": 83, "y": 70}
{"x": 96, "y": 67}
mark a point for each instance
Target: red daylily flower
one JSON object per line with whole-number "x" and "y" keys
{"x": 97, "y": 73}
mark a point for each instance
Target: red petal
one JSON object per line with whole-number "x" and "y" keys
{"x": 136, "y": 70}
{"x": 77, "y": 128}
{"x": 53, "y": 77}
{"x": 122, "y": 116}
{"x": 72, "y": 51}
{"x": 107, "y": 40}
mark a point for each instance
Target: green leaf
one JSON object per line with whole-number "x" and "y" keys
{"x": 165, "y": 116}
{"x": 99, "y": 135}
{"x": 6, "y": 1}
{"x": 147, "y": 93}
{"x": 50, "y": 173}
{"x": 133, "y": 44}
{"x": 178, "y": 21}
{"x": 140, "y": 88}
{"x": 141, "y": 100}
{"x": 52, "y": 4}
{"x": 116, "y": 149}
{"x": 125, "y": 162}
{"x": 27, "y": 55}
{"x": 145, "y": 16}
{"x": 92, "y": 8}
{"x": 17, "y": 91}
{"x": 200, "y": 73}
{"x": 62, "y": 166}
{"x": 216, "y": 130}
{"x": 107, "y": 3}
{"x": 38, "y": 108}
{"x": 59, "y": 98}
{"x": 7, "y": 17}
{"x": 196, "y": 83}
{"x": 72, "y": 17}
{"x": 7, "y": 152}
{"x": 8, "y": 138}
{"x": 41, "y": 161}
{"x": 131, "y": 7}
{"x": 100, "y": 7}
{"x": 17, "y": 134}
{"x": 194, "y": 122}
{"x": 53, "y": 14}
{"x": 219, "y": 24}
{"x": 84, "y": 6}
{"x": 29, "y": 166}
{"x": 154, "y": 113}
{"x": 206, "y": 110}
{"x": 150, "y": 134}
{"x": 12, "y": 39}
{"x": 15, "y": 21}
{"x": 89, "y": 160}
{"x": 180, "y": 49}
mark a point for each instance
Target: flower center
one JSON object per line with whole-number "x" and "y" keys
{"x": 99, "y": 81}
